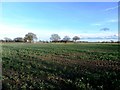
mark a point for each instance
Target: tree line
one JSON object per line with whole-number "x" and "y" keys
{"x": 31, "y": 37}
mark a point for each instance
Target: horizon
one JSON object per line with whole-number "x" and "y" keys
{"x": 95, "y": 20}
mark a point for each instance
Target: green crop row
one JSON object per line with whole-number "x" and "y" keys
{"x": 60, "y": 66}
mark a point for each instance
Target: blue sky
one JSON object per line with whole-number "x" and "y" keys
{"x": 84, "y": 19}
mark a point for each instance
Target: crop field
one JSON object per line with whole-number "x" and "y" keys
{"x": 59, "y": 66}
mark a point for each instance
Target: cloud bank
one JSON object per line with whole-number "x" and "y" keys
{"x": 42, "y": 34}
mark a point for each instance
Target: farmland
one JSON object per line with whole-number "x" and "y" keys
{"x": 76, "y": 66}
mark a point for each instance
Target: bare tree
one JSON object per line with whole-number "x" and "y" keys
{"x": 75, "y": 38}
{"x": 30, "y": 37}
{"x": 6, "y": 39}
{"x": 66, "y": 38}
{"x": 18, "y": 39}
{"x": 55, "y": 37}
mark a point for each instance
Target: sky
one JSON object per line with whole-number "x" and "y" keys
{"x": 88, "y": 20}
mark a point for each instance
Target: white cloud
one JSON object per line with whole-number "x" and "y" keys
{"x": 112, "y": 21}
{"x": 105, "y": 22}
{"x": 9, "y": 31}
{"x": 111, "y": 8}
{"x": 104, "y": 29}
{"x": 17, "y": 31}
{"x": 96, "y": 24}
